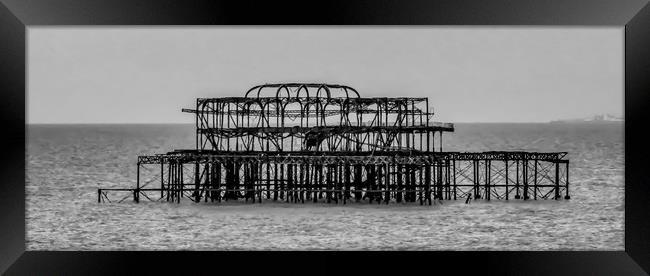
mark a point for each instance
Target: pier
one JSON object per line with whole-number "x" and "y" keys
{"x": 306, "y": 142}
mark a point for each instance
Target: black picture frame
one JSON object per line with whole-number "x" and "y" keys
{"x": 17, "y": 15}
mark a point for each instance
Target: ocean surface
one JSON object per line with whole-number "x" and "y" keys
{"x": 67, "y": 163}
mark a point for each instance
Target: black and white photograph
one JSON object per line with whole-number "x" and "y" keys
{"x": 275, "y": 138}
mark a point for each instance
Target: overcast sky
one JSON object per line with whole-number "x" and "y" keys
{"x": 470, "y": 74}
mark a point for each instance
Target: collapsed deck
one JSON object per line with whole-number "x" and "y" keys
{"x": 306, "y": 143}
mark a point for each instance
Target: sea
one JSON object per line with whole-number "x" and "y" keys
{"x": 67, "y": 163}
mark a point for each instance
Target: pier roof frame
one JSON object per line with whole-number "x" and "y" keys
{"x": 318, "y": 99}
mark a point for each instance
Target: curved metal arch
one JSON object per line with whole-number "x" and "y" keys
{"x": 313, "y": 102}
{"x": 328, "y": 103}
{"x": 319, "y": 107}
{"x": 327, "y": 90}
{"x": 251, "y": 90}
{"x": 300, "y": 89}
{"x": 250, "y": 101}
{"x": 277, "y": 93}
{"x": 277, "y": 102}
{"x": 284, "y": 105}
{"x": 264, "y": 105}
{"x": 259, "y": 103}
{"x": 267, "y": 103}
{"x": 297, "y": 101}
{"x": 345, "y": 88}
{"x": 259, "y": 89}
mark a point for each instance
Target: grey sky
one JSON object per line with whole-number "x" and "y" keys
{"x": 470, "y": 74}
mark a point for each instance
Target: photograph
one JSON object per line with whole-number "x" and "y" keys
{"x": 341, "y": 138}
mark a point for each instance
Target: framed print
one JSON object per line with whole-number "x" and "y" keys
{"x": 164, "y": 137}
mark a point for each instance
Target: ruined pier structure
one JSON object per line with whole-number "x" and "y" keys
{"x": 302, "y": 142}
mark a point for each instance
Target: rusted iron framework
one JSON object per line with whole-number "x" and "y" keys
{"x": 308, "y": 142}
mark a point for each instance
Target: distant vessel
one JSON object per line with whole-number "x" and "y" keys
{"x": 602, "y": 118}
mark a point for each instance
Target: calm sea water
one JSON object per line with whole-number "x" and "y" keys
{"x": 67, "y": 163}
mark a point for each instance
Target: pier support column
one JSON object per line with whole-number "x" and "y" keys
{"x": 407, "y": 182}
{"x": 308, "y": 182}
{"x": 454, "y": 178}
{"x": 290, "y": 183}
{"x": 477, "y": 191}
{"x": 218, "y": 180}
{"x": 507, "y": 179}
{"x": 380, "y": 182}
{"x": 525, "y": 179}
{"x": 162, "y": 179}
{"x": 346, "y": 193}
{"x": 169, "y": 179}
{"x": 339, "y": 182}
{"x": 302, "y": 183}
{"x": 427, "y": 182}
{"x": 197, "y": 182}
{"x": 136, "y": 192}
{"x": 535, "y": 181}
{"x": 517, "y": 196}
{"x": 275, "y": 181}
{"x": 439, "y": 178}
{"x": 179, "y": 182}
{"x": 358, "y": 181}
{"x": 282, "y": 181}
{"x": 387, "y": 183}
{"x": 398, "y": 173}
{"x": 207, "y": 185}
{"x": 268, "y": 181}
{"x": 557, "y": 180}
{"x": 488, "y": 192}
{"x": 448, "y": 179}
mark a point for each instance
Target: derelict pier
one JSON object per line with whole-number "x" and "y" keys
{"x": 300, "y": 142}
